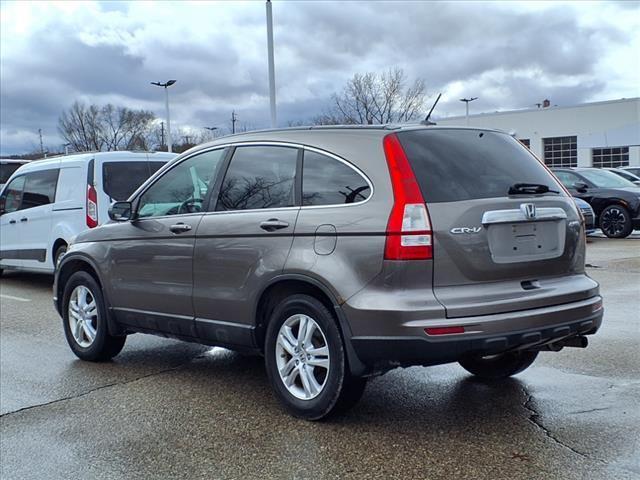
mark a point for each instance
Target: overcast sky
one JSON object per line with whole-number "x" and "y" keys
{"x": 511, "y": 55}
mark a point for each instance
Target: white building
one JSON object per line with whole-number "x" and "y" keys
{"x": 600, "y": 134}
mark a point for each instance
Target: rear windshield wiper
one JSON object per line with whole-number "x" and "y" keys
{"x": 520, "y": 188}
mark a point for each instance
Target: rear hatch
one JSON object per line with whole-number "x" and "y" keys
{"x": 498, "y": 247}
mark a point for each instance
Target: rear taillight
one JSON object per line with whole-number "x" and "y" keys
{"x": 92, "y": 207}
{"x": 409, "y": 235}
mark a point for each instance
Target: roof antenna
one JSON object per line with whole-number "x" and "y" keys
{"x": 426, "y": 121}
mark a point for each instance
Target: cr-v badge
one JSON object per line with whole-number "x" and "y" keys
{"x": 458, "y": 230}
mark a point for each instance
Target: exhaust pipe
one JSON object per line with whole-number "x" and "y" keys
{"x": 577, "y": 342}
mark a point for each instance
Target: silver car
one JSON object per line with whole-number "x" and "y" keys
{"x": 340, "y": 253}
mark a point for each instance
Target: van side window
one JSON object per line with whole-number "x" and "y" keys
{"x": 121, "y": 179}
{"x": 183, "y": 188}
{"x": 259, "y": 177}
{"x": 12, "y": 196}
{"x": 40, "y": 188}
{"x": 326, "y": 181}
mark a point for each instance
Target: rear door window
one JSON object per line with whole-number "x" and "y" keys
{"x": 40, "y": 188}
{"x": 259, "y": 177}
{"x": 456, "y": 164}
{"x": 121, "y": 179}
{"x": 327, "y": 181}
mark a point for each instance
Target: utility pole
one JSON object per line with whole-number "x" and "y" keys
{"x": 41, "y": 145}
{"x": 165, "y": 85}
{"x": 161, "y": 134}
{"x": 466, "y": 101}
{"x": 272, "y": 72}
{"x": 234, "y": 119}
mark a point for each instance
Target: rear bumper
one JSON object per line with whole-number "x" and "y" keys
{"x": 527, "y": 329}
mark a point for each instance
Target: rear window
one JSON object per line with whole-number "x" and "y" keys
{"x": 7, "y": 169}
{"x": 121, "y": 179}
{"x": 455, "y": 164}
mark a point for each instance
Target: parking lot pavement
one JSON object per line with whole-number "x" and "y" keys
{"x": 166, "y": 409}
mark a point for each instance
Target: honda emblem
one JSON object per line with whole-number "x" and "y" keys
{"x": 528, "y": 210}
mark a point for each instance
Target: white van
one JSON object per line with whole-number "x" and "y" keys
{"x": 45, "y": 203}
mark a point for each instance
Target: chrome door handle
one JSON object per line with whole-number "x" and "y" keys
{"x": 180, "y": 228}
{"x": 273, "y": 224}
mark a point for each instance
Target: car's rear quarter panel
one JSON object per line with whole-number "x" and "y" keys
{"x": 344, "y": 261}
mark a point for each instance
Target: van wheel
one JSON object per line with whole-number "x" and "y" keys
{"x": 60, "y": 251}
{"x": 494, "y": 367}
{"x": 615, "y": 222}
{"x": 84, "y": 318}
{"x": 306, "y": 362}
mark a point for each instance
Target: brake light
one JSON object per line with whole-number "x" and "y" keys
{"x": 409, "y": 235}
{"x": 92, "y": 207}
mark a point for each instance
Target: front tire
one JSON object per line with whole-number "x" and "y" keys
{"x": 60, "y": 251}
{"x": 496, "y": 367}
{"x": 306, "y": 362}
{"x": 84, "y": 318}
{"x": 615, "y": 222}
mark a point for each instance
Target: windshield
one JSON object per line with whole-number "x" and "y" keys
{"x": 605, "y": 179}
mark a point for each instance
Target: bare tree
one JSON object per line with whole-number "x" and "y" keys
{"x": 88, "y": 128}
{"x": 372, "y": 98}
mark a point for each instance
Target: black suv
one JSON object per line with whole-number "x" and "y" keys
{"x": 615, "y": 200}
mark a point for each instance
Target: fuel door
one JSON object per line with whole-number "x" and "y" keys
{"x": 325, "y": 239}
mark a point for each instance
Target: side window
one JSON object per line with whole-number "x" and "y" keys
{"x": 40, "y": 188}
{"x": 183, "y": 188}
{"x": 12, "y": 196}
{"x": 326, "y": 181}
{"x": 121, "y": 179}
{"x": 567, "y": 179}
{"x": 259, "y": 177}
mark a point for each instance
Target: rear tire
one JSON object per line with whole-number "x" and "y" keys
{"x": 615, "y": 222}
{"x": 305, "y": 388}
{"x": 495, "y": 367}
{"x": 84, "y": 318}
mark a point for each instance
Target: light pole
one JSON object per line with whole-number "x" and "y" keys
{"x": 211, "y": 129}
{"x": 272, "y": 68}
{"x": 466, "y": 101}
{"x": 165, "y": 85}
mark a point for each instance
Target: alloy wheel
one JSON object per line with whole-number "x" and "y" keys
{"x": 613, "y": 221}
{"x": 83, "y": 316}
{"x": 302, "y": 357}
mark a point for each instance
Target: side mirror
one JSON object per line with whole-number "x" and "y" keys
{"x": 580, "y": 186}
{"x": 120, "y": 211}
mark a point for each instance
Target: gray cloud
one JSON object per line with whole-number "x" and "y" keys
{"x": 509, "y": 56}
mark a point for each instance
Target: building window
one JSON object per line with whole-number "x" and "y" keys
{"x": 610, "y": 157}
{"x": 561, "y": 151}
{"x": 526, "y": 142}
